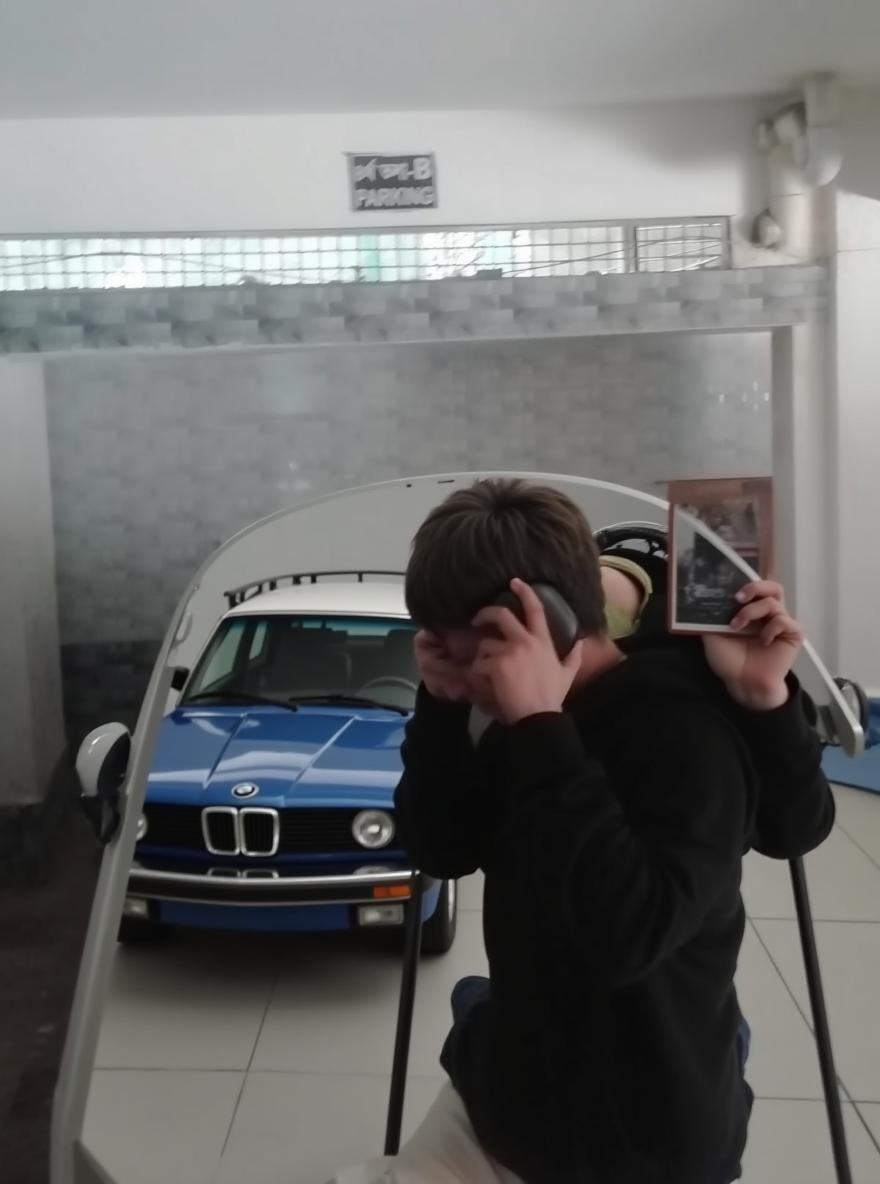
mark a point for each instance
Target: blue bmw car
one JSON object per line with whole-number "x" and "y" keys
{"x": 270, "y": 799}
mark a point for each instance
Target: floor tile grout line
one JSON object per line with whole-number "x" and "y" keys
{"x": 843, "y": 827}
{"x": 807, "y": 1101}
{"x": 361, "y": 1075}
{"x": 861, "y": 1117}
{"x": 269, "y": 998}
{"x": 778, "y": 970}
{"x": 856, "y": 843}
{"x": 843, "y": 1087}
{"x": 817, "y": 920}
{"x": 840, "y": 1082}
{"x": 795, "y": 1001}
{"x": 233, "y": 1117}
{"x": 162, "y": 1069}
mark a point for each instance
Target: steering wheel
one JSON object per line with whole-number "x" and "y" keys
{"x": 624, "y": 532}
{"x": 389, "y": 680}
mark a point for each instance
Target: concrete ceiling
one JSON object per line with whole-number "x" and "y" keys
{"x": 166, "y": 57}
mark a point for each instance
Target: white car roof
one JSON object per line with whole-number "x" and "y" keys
{"x": 372, "y": 598}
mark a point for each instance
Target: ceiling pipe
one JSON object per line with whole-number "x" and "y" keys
{"x": 808, "y": 129}
{"x": 801, "y": 143}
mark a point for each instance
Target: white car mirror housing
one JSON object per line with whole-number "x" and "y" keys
{"x": 102, "y": 760}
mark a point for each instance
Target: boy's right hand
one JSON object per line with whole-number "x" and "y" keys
{"x": 443, "y": 678}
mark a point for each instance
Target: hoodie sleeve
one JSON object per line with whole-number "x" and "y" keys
{"x": 443, "y": 800}
{"x": 795, "y": 805}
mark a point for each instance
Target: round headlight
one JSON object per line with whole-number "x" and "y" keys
{"x": 373, "y": 829}
{"x": 141, "y": 828}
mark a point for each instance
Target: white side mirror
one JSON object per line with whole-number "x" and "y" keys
{"x": 103, "y": 759}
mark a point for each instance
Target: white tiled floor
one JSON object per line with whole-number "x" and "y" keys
{"x": 246, "y": 1060}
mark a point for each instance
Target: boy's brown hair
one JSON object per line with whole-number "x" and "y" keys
{"x": 475, "y": 542}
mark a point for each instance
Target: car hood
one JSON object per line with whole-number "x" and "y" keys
{"x": 311, "y": 757}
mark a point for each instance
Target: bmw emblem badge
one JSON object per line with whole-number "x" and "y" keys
{"x": 246, "y": 790}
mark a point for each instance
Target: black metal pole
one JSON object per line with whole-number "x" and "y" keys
{"x": 820, "y": 1021}
{"x": 405, "y": 1007}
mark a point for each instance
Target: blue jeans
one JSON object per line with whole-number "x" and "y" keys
{"x": 466, "y": 993}
{"x": 472, "y": 990}
{"x": 743, "y": 1043}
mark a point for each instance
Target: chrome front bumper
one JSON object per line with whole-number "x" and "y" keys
{"x": 251, "y": 886}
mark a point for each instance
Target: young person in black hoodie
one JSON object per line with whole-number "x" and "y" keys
{"x": 609, "y": 804}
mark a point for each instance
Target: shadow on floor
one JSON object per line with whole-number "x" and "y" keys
{"x": 43, "y": 920}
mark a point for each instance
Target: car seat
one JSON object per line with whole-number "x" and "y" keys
{"x": 399, "y": 656}
{"x": 306, "y": 661}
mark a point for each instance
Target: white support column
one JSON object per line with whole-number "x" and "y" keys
{"x": 856, "y": 443}
{"x": 804, "y": 479}
{"x": 792, "y": 204}
{"x": 856, "y": 437}
{"x": 31, "y": 720}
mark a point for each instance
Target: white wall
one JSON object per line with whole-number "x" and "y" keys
{"x": 803, "y": 476}
{"x": 31, "y": 727}
{"x": 826, "y": 410}
{"x": 156, "y": 459}
{"x": 289, "y": 172}
{"x": 856, "y": 441}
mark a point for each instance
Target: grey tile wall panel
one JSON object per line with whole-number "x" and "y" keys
{"x": 259, "y": 314}
{"x": 157, "y": 458}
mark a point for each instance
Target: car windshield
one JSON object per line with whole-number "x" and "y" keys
{"x": 290, "y": 658}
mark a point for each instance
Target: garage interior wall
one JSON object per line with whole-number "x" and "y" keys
{"x": 281, "y": 172}
{"x": 31, "y": 727}
{"x": 493, "y": 167}
{"x": 156, "y": 460}
{"x": 855, "y": 436}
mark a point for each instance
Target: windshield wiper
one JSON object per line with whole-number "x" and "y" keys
{"x": 342, "y": 700}
{"x": 238, "y": 697}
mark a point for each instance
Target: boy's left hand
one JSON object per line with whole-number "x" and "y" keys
{"x": 754, "y": 667}
{"x": 520, "y": 662}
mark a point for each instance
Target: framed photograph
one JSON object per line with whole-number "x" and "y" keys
{"x": 720, "y": 538}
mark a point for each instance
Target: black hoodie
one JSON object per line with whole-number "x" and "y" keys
{"x": 612, "y": 838}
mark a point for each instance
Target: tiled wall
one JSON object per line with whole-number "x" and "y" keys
{"x": 156, "y": 459}
{"x": 454, "y": 309}
{"x": 31, "y": 727}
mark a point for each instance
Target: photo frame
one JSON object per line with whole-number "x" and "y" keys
{"x": 720, "y": 532}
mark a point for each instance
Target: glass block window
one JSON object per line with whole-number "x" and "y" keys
{"x": 182, "y": 261}
{"x": 681, "y": 246}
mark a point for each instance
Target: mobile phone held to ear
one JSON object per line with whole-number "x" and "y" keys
{"x": 561, "y": 619}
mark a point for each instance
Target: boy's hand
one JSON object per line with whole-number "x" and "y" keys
{"x": 520, "y": 663}
{"x": 754, "y": 667}
{"x": 443, "y": 678}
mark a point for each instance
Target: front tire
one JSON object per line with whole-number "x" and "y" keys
{"x": 438, "y": 932}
